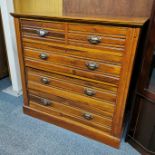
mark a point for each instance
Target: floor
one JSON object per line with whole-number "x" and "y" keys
{"x": 24, "y": 135}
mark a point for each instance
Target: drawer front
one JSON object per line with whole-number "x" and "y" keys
{"x": 91, "y": 107}
{"x": 73, "y": 62}
{"x": 83, "y": 82}
{"x": 64, "y": 93}
{"x": 58, "y": 109}
{"x": 72, "y": 85}
{"x": 110, "y": 38}
{"x": 44, "y": 31}
{"x": 105, "y": 106}
{"x": 73, "y": 72}
{"x": 104, "y": 56}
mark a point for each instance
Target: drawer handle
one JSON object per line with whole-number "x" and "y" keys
{"x": 45, "y": 80}
{"x": 92, "y": 65}
{"x": 94, "y": 39}
{"x": 43, "y": 56}
{"x": 87, "y": 116}
{"x": 45, "y": 102}
{"x": 89, "y": 92}
{"x": 42, "y": 33}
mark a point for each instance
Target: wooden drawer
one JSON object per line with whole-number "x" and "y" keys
{"x": 91, "y": 107}
{"x": 104, "y": 56}
{"x": 106, "y": 107}
{"x": 73, "y": 72}
{"x": 110, "y": 38}
{"x": 67, "y": 93}
{"x": 83, "y": 82}
{"x": 73, "y": 62}
{"x": 61, "y": 110}
{"x": 45, "y": 31}
{"x": 70, "y": 85}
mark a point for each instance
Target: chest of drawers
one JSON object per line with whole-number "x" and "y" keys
{"x": 76, "y": 72}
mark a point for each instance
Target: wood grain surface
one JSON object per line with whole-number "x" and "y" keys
{"x": 72, "y": 82}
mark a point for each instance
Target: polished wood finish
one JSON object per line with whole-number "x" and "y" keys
{"x": 78, "y": 115}
{"x": 74, "y": 126}
{"x": 70, "y": 85}
{"x": 3, "y": 56}
{"x": 76, "y": 71}
{"x": 126, "y": 21}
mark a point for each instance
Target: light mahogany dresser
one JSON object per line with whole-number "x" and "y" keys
{"x": 76, "y": 71}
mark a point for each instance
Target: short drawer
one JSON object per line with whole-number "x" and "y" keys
{"x": 73, "y": 62}
{"x": 61, "y": 110}
{"x": 71, "y": 85}
{"x": 43, "y": 31}
{"x": 110, "y": 38}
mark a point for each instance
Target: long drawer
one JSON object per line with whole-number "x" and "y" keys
{"x": 73, "y": 62}
{"x": 65, "y": 90}
{"x": 94, "y": 54}
{"x": 51, "y": 62}
{"x": 70, "y": 85}
{"x": 55, "y": 108}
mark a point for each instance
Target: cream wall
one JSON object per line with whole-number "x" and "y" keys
{"x": 10, "y": 40}
{"x": 41, "y": 6}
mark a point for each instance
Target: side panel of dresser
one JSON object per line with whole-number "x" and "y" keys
{"x": 127, "y": 66}
{"x": 21, "y": 60}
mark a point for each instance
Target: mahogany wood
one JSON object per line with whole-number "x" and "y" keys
{"x": 113, "y": 8}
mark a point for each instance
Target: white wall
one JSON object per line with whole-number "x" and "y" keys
{"x": 10, "y": 39}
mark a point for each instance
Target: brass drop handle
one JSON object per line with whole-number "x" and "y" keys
{"x": 45, "y": 102}
{"x": 94, "y": 39}
{"x": 42, "y": 33}
{"x": 89, "y": 92}
{"x": 87, "y": 116}
{"x": 43, "y": 56}
{"x": 92, "y": 65}
{"x": 45, "y": 80}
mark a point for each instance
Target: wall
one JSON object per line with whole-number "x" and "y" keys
{"x": 41, "y": 6}
{"x": 10, "y": 39}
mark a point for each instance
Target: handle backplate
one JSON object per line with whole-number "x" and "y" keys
{"x": 42, "y": 33}
{"x": 87, "y": 116}
{"x": 89, "y": 92}
{"x": 45, "y": 80}
{"x": 94, "y": 39}
{"x": 45, "y": 102}
{"x": 43, "y": 56}
{"x": 92, "y": 65}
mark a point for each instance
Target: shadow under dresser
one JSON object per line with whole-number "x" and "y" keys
{"x": 76, "y": 71}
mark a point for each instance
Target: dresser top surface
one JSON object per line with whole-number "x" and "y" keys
{"x": 124, "y": 21}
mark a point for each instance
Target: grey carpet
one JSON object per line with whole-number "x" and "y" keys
{"x": 24, "y": 135}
